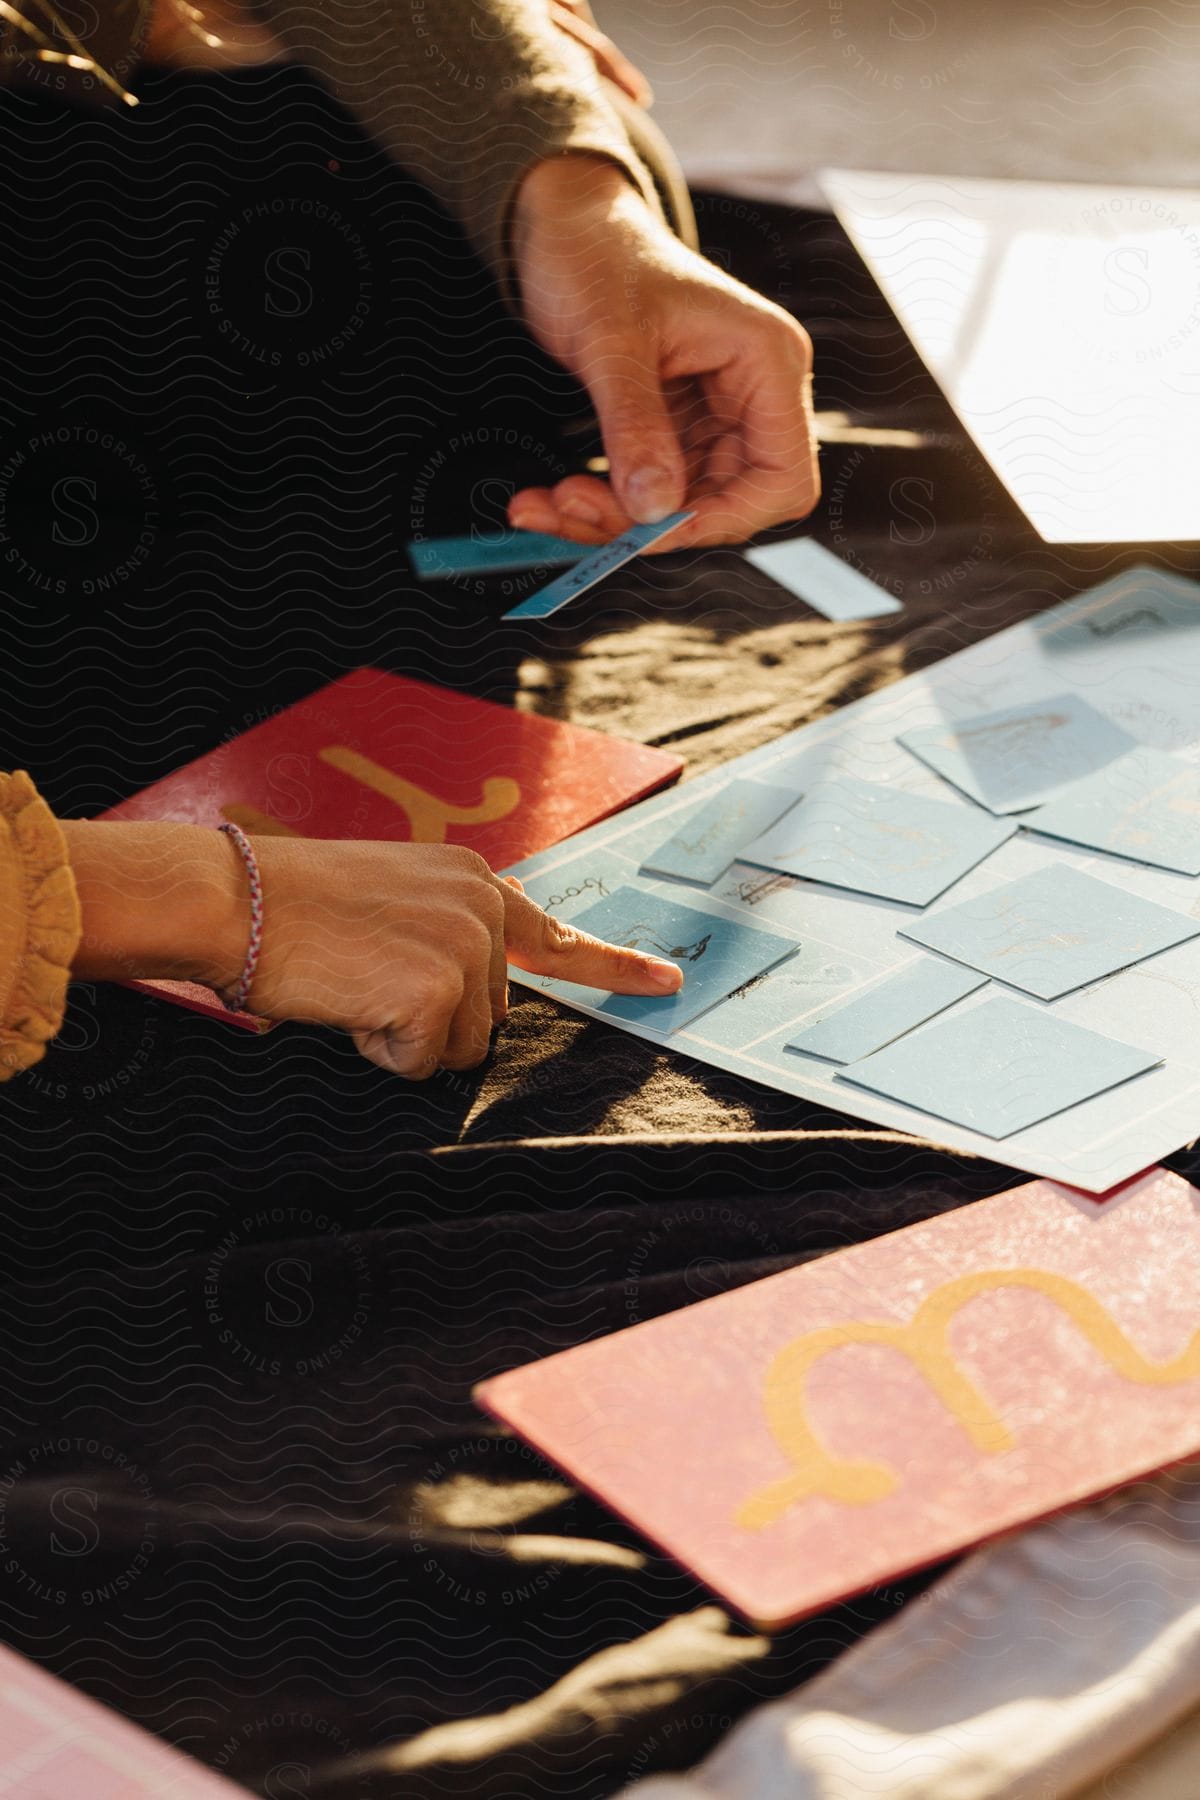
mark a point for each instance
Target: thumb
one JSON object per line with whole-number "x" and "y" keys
{"x": 545, "y": 946}
{"x": 645, "y": 457}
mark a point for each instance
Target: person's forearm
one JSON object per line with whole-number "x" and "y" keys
{"x": 467, "y": 98}
{"x": 157, "y": 901}
{"x": 566, "y": 191}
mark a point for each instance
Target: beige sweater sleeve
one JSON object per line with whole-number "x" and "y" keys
{"x": 467, "y": 95}
{"x": 39, "y": 924}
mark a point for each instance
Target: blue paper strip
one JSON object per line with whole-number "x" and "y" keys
{"x": 601, "y": 562}
{"x": 436, "y": 559}
{"x": 821, "y": 579}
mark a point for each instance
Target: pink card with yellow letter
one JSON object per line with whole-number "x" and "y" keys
{"x": 815, "y": 1433}
{"x": 57, "y": 1744}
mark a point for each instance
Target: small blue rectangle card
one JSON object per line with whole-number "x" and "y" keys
{"x": 847, "y": 1033}
{"x": 437, "y": 559}
{"x": 594, "y": 566}
{"x": 710, "y": 837}
{"x": 1145, "y": 806}
{"x": 1018, "y": 758}
{"x": 998, "y": 1067}
{"x": 822, "y": 580}
{"x": 879, "y": 840}
{"x": 715, "y": 954}
{"x": 1052, "y": 931}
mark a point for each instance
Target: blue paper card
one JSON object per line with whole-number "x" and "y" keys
{"x": 716, "y": 955}
{"x": 879, "y": 840}
{"x": 595, "y": 564}
{"x": 896, "y": 1006}
{"x": 821, "y": 579}
{"x": 1144, "y": 806}
{"x": 998, "y": 1067}
{"x": 709, "y": 839}
{"x": 436, "y": 559}
{"x": 1052, "y": 931}
{"x": 1018, "y": 758}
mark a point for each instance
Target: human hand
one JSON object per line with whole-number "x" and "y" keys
{"x": 703, "y": 389}
{"x": 405, "y": 947}
{"x": 402, "y": 945}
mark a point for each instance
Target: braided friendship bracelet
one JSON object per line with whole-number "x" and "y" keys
{"x": 235, "y": 1002}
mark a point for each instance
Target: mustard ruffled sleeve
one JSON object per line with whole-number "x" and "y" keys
{"x": 39, "y": 924}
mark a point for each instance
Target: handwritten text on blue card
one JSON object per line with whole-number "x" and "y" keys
{"x": 710, "y": 837}
{"x": 594, "y": 567}
{"x": 1017, "y": 758}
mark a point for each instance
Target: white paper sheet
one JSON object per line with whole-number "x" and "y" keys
{"x": 1063, "y": 322}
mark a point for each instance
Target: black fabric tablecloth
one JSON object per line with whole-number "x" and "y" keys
{"x": 248, "y": 1284}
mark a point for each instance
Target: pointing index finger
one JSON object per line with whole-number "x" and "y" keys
{"x": 545, "y": 946}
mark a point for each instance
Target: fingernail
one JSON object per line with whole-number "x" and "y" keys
{"x": 583, "y": 510}
{"x": 666, "y": 975}
{"x": 650, "y": 494}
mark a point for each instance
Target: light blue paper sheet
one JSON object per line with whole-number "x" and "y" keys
{"x": 879, "y": 840}
{"x": 705, "y": 844}
{"x": 1053, "y": 931}
{"x": 595, "y": 565}
{"x": 1015, "y": 759}
{"x": 436, "y": 559}
{"x": 892, "y": 1008}
{"x": 821, "y": 579}
{"x": 715, "y": 954}
{"x": 1144, "y": 806}
{"x": 1130, "y": 648}
{"x": 998, "y": 1067}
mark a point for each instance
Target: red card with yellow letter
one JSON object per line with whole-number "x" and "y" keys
{"x": 381, "y": 756}
{"x": 813, "y": 1434}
